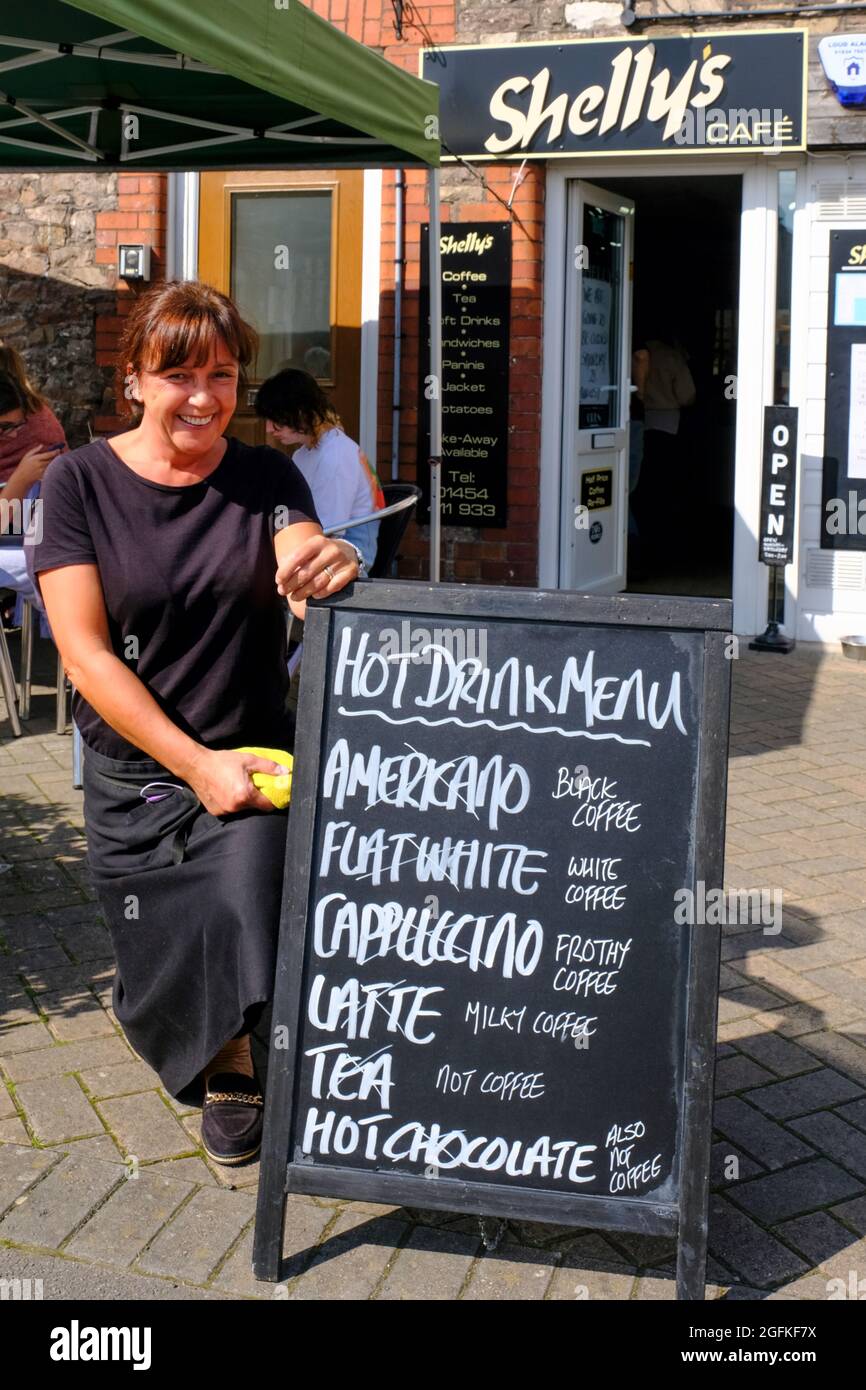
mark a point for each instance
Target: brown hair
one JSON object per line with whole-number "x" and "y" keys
{"x": 12, "y": 365}
{"x": 179, "y": 320}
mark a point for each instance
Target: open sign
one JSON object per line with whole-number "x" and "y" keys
{"x": 778, "y": 485}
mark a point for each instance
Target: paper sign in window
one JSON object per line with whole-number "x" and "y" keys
{"x": 857, "y": 413}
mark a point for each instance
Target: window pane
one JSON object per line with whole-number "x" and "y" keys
{"x": 599, "y": 318}
{"x": 787, "y": 204}
{"x": 281, "y": 277}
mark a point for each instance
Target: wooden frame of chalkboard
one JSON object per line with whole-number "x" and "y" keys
{"x": 684, "y": 1213}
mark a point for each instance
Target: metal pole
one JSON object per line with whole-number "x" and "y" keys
{"x": 436, "y": 381}
{"x": 772, "y": 639}
{"x": 399, "y": 254}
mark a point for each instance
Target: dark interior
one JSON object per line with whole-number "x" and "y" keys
{"x": 686, "y": 281}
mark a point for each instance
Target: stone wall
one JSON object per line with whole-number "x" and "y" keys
{"x": 51, "y": 292}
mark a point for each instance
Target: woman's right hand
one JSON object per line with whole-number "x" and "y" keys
{"x": 32, "y": 465}
{"x": 222, "y": 783}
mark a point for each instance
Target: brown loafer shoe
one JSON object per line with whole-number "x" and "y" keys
{"x": 232, "y": 1117}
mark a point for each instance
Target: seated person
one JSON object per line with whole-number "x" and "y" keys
{"x": 29, "y": 439}
{"x": 344, "y": 486}
{"x": 26, "y": 420}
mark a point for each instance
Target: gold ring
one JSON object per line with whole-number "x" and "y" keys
{"x": 328, "y": 571}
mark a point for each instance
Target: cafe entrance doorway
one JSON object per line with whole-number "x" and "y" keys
{"x": 685, "y": 289}
{"x": 651, "y": 287}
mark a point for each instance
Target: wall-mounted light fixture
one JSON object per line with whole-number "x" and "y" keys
{"x": 133, "y": 262}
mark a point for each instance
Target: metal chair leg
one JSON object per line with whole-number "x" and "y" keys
{"x": 26, "y": 679}
{"x": 76, "y": 758}
{"x": 7, "y": 681}
{"x": 61, "y": 696}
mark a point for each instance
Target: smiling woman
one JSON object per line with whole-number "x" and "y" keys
{"x": 163, "y": 557}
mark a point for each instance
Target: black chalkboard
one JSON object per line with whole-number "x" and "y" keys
{"x": 486, "y": 998}
{"x": 843, "y": 490}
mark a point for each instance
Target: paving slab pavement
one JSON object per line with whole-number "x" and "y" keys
{"x": 106, "y": 1193}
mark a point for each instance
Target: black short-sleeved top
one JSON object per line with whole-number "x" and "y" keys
{"x": 188, "y": 575}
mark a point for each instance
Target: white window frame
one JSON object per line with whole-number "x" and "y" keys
{"x": 182, "y": 264}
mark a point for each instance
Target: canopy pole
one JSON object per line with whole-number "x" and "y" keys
{"x": 436, "y": 375}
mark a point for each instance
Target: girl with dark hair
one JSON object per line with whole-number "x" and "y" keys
{"x": 28, "y": 427}
{"x": 30, "y": 437}
{"x": 344, "y": 486}
{"x": 163, "y": 558}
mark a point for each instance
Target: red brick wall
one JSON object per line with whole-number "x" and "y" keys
{"x": 140, "y": 217}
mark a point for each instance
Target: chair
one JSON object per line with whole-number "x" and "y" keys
{"x": 401, "y": 499}
{"x": 29, "y": 612}
{"x": 400, "y": 502}
{"x": 7, "y": 682}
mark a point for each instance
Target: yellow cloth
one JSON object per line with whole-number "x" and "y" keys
{"x": 276, "y": 787}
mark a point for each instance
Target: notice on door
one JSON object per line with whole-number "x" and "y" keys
{"x": 595, "y": 364}
{"x": 596, "y": 489}
{"x": 476, "y": 310}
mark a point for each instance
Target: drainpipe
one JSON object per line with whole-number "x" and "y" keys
{"x": 399, "y": 188}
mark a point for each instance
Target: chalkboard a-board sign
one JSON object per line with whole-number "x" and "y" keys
{"x": 485, "y": 1001}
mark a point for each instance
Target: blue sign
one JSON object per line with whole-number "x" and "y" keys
{"x": 844, "y": 60}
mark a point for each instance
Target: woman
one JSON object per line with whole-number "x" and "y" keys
{"x": 22, "y": 464}
{"x": 27, "y": 424}
{"x": 164, "y": 554}
{"x": 344, "y": 486}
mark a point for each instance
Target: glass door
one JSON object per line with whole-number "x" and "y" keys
{"x": 287, "y": 248}
{"x": 596, "y": 391}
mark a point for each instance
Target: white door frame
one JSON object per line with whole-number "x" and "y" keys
{"x": 755, "y": 351}
{"x": 576, "y": 549}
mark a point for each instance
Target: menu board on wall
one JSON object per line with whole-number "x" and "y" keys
{"x": 843, "y": 499}
{"x": 476, "y": 312}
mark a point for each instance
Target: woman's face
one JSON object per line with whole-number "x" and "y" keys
{"x": 190, "y": 406}
{"x": 10, "y": 423}
{"x": 285, "y": 434}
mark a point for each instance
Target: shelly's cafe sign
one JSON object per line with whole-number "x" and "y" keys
{"x": 697, "y": 92}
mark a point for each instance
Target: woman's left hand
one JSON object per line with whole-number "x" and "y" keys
{"x": 319, "y": 566}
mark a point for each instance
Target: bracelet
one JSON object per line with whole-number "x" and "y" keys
{"x": 362, "y": 563}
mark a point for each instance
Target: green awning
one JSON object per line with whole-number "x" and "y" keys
{"x": 201, "y": 84}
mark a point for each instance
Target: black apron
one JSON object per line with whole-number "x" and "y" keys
{"x": 192, "y": 902}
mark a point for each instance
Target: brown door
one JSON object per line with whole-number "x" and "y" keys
{"x": 287, "y": 248}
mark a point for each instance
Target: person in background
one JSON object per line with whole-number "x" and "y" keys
{"x": 317, "y": 361}
{"x": 30, "y": 437}
{"x": 668, "y": 388}
{"x": 344, "y": 486}
{"x": 669, "y": 385}
{"x": 26, "y": 419}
